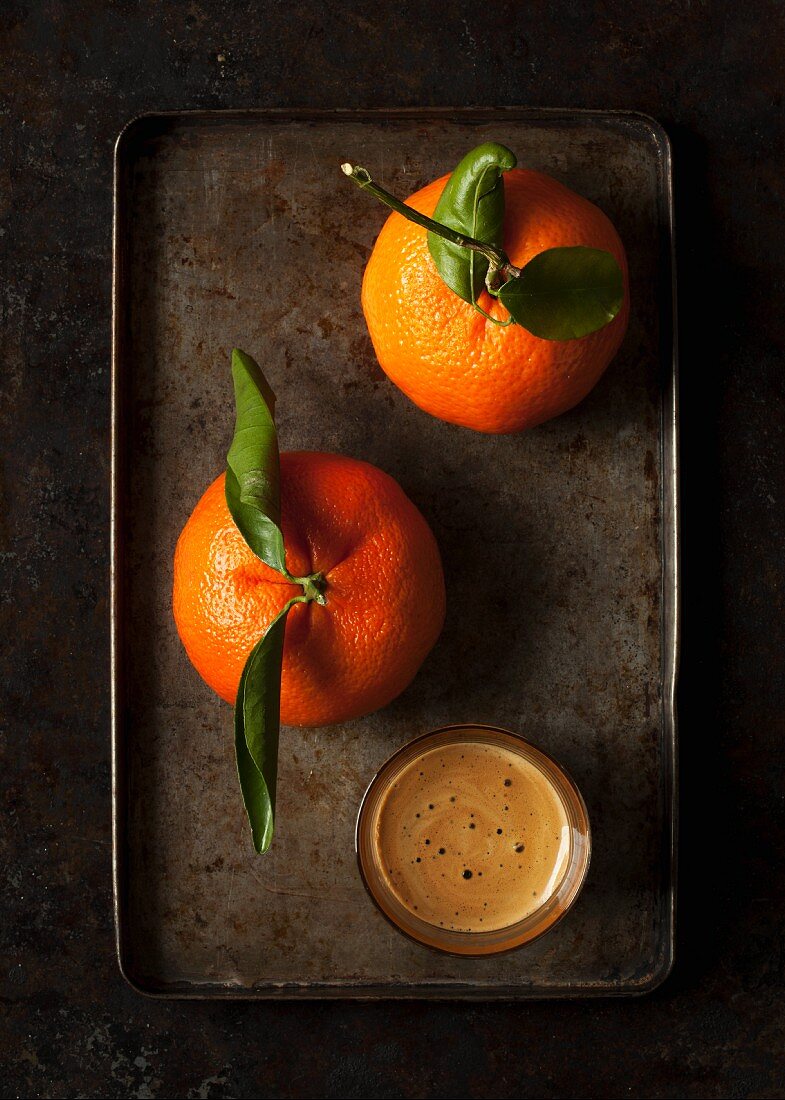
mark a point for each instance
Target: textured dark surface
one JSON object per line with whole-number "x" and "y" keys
{"x": 223, "y": 221}
{"x": 71, "y": 75}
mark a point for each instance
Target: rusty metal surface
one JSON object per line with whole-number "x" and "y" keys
{"x": 559, "y": 549}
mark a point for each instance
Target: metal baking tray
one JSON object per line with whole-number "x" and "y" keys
{"x": 560, "y": 550}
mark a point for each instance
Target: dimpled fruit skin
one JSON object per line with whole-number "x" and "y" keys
{"x": 449, "y": 359}
{"x": 385, "y": 590}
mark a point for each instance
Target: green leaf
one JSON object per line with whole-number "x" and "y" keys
{"x": 257, "y": 719}
{"x": 253, "y": 465}
{"x": 472, "y": 203}
{"x": 565, "y": 293}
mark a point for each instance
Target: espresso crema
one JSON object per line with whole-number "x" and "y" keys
{"x": 472, "y": 837}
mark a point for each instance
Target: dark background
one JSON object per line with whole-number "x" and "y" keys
{"x": 70, "y": 75}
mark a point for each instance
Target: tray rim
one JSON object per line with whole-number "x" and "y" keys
{"x": 670, "y": 575}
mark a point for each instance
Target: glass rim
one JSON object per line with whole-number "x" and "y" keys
{"x": 494, "y": 941}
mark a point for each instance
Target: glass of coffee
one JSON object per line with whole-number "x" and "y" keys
{"x": 473, "y": 841}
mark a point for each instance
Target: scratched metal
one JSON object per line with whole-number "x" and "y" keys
{"x": 559, "y": 550}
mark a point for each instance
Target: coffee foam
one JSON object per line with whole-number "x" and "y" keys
{"x": 472, "y": 837}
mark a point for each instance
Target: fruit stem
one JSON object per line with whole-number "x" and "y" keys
{"x": 313, "y": 588}
{"x": 497, "y": 259}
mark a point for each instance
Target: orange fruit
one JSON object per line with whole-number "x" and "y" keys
{"x": 385, "y": 599}
{"x": 452, "y": 361}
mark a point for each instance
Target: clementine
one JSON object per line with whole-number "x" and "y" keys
{"x": 384, "y": 594}
{"x": 458, "y": 365}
